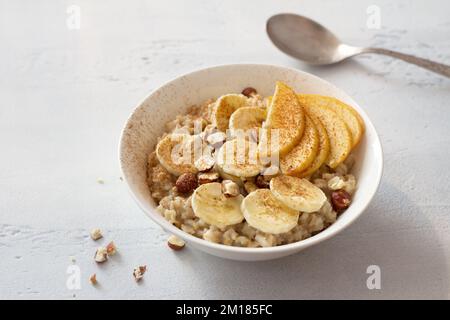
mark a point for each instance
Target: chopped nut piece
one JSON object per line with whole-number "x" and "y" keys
{"x": 100, "y": 181}
{"x": 93, "y": 279}
{"x": 111, "y": 249}
{"x": 96, "y": 234}
{"x": 216, "y": 139}
{"x": 270, "y": 172}
{"x": 204, "y": 163}
{"x": 101, "y": 255}
{"x": 175, "y": 243}
{"x": 230, "y": 188}
{"x": 208, "y": 177}
{"x": 186, "y": 183}
{"x": 336, "y": 183}
{"x": 250, "y": 186}
{"x": 138, "y": 272}
{"x": 209, "y": 129}
{"x": 249, "y": 91}
{"x": 341, "y": 200}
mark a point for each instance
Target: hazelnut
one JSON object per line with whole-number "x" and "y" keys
{"x": 138, "y": 272}
{"x": 96, "y": 234}
{"x": 262, "y": 181}
{"x": 111, "y": 249}
{"x": 93, "y": 279}
{"x": 208, "y": 177}
{"x": 230, "y": 189}
{"x": 340, "y": 200}
{"x": 175, "y": 243}
{"x": 186, "y": 183}
{"x": 101, "y": 255}
{"x": 249, "y": 91}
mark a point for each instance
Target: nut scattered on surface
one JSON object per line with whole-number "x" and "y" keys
{"x": 138, "y": 272}
{"x": 230, "y": 188}
{"x": 249, "y": 91}
{"x": 93, "y": 279}
{"x": 262, "y": 181}
{"x": 208, "y": 177}
{"x": 101, "y": 255}
{"x": 340, "y": 200}
{"x": 100, "y": 181}
{"x": 175, "y": 243}
{"x": 204, "y": 163}
{"x": 96, "y": 234}
{"x": 111, "y": 249}
{"x": 186, "y": 183}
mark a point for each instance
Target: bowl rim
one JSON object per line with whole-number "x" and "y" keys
{"x": 301, "y": 244}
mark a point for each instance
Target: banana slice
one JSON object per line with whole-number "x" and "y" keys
{"x": 238, "y": 157}
{"x": 226, "y": 176}
{"x": 324, "y": 149}
{"x": 266, "y": 213}
{"x": 177, "y": 153}
{"x": 298, "y": 194}
{"x": 224, "y": 107}
{"x": 213, "y": 207}
{"x": 247, "y": 118}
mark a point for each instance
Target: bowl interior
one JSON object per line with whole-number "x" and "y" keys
{"x": 148, "y": 121}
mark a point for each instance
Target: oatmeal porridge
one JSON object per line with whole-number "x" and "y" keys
{"x": 212, "y": 176}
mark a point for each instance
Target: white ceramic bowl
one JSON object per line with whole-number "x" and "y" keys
{"x": 147, "y": 123}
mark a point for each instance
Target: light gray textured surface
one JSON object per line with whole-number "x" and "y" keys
{"x": 65, "y": 95}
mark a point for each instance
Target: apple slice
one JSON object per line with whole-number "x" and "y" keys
{"x": 324, "y": 148}
{"x": 286, "y": 119}
{"x": 338, "y": 133}
{"x": 304, "y": 153}
{"x": 351, "y": 118}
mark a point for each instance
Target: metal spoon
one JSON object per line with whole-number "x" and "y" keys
{"x": 305, "y": 39}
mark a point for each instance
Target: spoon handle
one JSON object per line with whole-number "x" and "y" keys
{"x": 440, "y": 68}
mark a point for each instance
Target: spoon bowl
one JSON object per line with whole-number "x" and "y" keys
{"x": 309, "y": 41}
